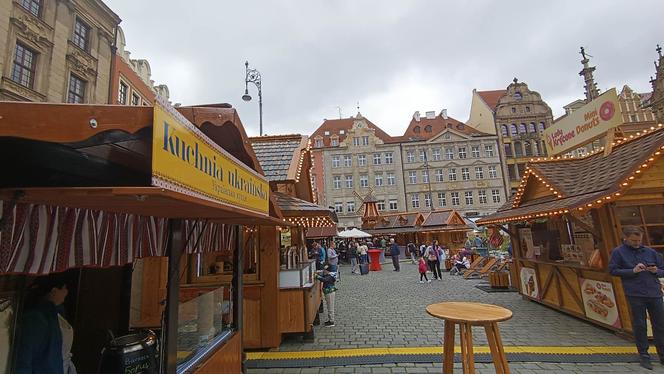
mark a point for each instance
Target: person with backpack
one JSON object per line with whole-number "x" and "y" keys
{"x": 328, "y": 279}
{"x": 353, "y": 254}
{"x": 412, "y": 249}
{"x": 431, "y": 254}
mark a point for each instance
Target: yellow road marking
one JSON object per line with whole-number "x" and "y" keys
{"x": 439, "y": 350}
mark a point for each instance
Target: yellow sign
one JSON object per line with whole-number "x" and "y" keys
{"x": 584, "y": 125}
{"x": 185, "y": 160}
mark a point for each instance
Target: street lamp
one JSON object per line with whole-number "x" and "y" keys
{"x": 254, "y": 76}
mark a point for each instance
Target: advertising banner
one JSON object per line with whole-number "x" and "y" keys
{"x": 187, "y": 161}
{"x": 529, "y": 284}
{"x": 584, "y": 125}
{"x": 599, "y": 302}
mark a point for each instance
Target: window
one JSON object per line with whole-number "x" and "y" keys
{"x": 380, "y": 205}
{"x": 334, "y": 142}
{"x": 23, "y": 71}
{"x": 362, "y": 160}
{"x": 339, "y": 207}
{"x": 513, "y": 110}
{"x": 364, "y": 181}
{"x": 412, "y": 177}
{"x": 415, "y": 200}
{"x": 452, "y": 174}
{"x": 76, "y": 92}
{"x": 427, "y": 128}
{"x": 462, "y": 152}
{"x": 503, "y": 130}
{"x": 348, "y": 161}
{"x": 318, "y": 143}
{"x": 337, "y": 182}
{"x": 469, "y": 197}
{"x": 389, "y": 158}
{"x": 423, "y": 155}
{"x": 455, "y": 198}
{"x": 495, "y": 194}
{"x": 465, "y": 174}
{"x": 542, "y": 127}
{"x": 518, "y": 150}
{"x": 439, "y": 175}
{"x": 376, "y": 159}
{"x": 436, "y": 154}
{"x": 475, "y": 151}
{"x": 543, "y": 149}
{"x": 410, "y": 156}
{"x": 528, "y": 149}
{"x": 391, "y": 181}
{"x": 350, "y": 207}
{"x": 508, "y": 150}
{"x": 449, "y": 153}
{"x": 349, "y": 181}
{"x": 479, "y": 172}
{"x": 341, "y": 132}
{"x": 335, "y": 161}
{"x": 393, "y": 204}
{"x": 427, "y": 200}
{"x": 492, "y": 172}
{"x": 441, "y": 199}
{"x": 536, "y": 148}
{"x": 123, "y": 93}
{"x": 527, "y": 109}
{"x": 513, "y": 129}
{"x": 416, "y": 129}
{"x": 425, "y": 176}
{"x": 511, "y": 171}
{"x": 356, "y": 141}
{"x": 365, "y": 140}
{"x": 379, "y": 180}
{"x": 482, "y": 196}
{"x": 135, "y": 99}
{"x": 81, "y": 34}
{"x": 32, "y": 6}
{"x": 531, "y": 127}
{"x": 488, "y": 149}
{"x": 522, "y": 128}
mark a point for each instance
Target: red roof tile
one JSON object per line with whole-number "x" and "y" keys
{"x": 417, "y": 130}
{"x": 334, "y": 125}
{"x": 491, "y": 97}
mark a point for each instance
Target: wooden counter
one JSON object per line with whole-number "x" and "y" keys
{"x": 298, "y": 308}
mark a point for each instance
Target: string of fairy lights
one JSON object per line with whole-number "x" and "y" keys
{"x": 313, "y": 221}
{"x": 620, "y": 188}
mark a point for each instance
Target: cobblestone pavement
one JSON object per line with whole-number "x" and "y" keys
{"x": 387, "y": 309}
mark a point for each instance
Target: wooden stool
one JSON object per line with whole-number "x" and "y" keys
{"x": 466, "y": 315}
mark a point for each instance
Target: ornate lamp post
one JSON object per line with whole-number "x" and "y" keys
{"x": 254, "y": 76}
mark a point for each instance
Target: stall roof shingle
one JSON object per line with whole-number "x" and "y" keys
{"x": 275, "y": 154}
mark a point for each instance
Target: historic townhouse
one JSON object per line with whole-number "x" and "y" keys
{"x": 447, "y": 164}
{"x": 56, "y": 51}
{"x": 360, "y": 163}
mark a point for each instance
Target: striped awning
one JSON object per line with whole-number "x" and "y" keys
{"x": 41, "y": 239}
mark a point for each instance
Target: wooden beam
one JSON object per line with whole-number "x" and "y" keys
{"x": 583, "y": 225}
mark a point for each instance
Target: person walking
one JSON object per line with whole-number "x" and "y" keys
{"x": 639, "y": 268}
{"x": 329, "y": 288}
{"x": 364, "y": 258}
{"x": 422, "y": 267}
{"x": 353, "y": 254}
{"x": 412, "y": 249}
{"x": 432, "y": 259}
{"x": 440, "y": 255}
{"x": 394, "y": 252}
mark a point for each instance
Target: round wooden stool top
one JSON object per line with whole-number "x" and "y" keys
{"x": 466, "y": 312}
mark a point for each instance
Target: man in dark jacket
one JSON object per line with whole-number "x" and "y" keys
{"x": 640, "y": 268}
{"x": 394, "y": 252}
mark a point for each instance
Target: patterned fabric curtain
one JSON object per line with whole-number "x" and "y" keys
{"x": 40, "y": 239}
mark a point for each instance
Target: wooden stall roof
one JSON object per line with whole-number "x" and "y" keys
{"x": 293, "y": 207}
{"x": 437, "y": 220}
{"x": 321, "y": 232}
{"x": 148, "y": 201}
{"x": 280, "y": 155}
{"x": 557, "y": 186}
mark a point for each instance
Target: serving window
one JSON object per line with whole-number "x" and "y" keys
{"x": 650, "y": 218}
{"x": 217, "y": 266}
{"x": 562, "y": 239}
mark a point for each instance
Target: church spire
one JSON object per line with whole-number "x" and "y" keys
{"x": 587, "y": 73}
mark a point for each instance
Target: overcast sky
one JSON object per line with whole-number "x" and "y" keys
{"x": 393, "y": 57}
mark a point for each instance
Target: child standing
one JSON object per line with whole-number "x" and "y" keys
{"x": 422, "y": 266}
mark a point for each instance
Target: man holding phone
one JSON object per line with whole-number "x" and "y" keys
{"x": 640, "y": 268}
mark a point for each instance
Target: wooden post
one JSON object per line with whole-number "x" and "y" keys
{"x": 237, "y": 285}
{"x": 174, "y": 250}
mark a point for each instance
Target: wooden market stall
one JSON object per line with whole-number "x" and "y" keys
{"x": 126, "y": 197}
{"x": 567, "y": 216}
{"x": 447, "y": 226}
